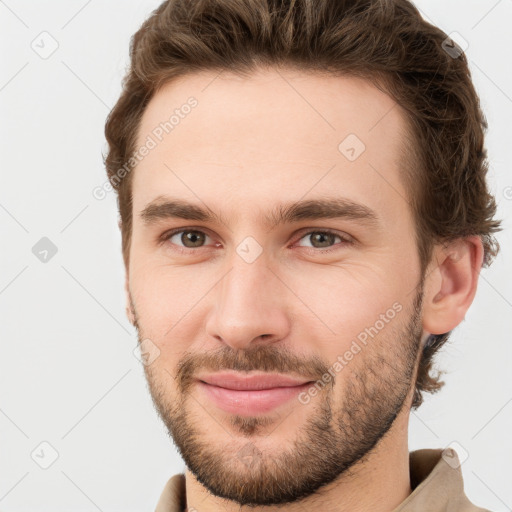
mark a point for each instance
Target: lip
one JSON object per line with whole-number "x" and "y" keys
{"x": 250, "y": 381}
{"x": 250, "y": 394}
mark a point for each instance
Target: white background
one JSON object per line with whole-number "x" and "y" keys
{"x": 68, "y": 375}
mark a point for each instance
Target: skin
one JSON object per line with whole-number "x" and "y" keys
{"x": 250, "y": 145}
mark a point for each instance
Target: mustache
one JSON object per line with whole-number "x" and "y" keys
{"x": 263, "y": 358}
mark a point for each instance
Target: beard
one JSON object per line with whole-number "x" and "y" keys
{"x": 336, "y": 438}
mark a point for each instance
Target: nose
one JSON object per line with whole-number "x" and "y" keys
{"x": 249, "y": 305}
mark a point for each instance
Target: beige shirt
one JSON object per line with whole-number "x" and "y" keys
{"x": 436, "y": 484}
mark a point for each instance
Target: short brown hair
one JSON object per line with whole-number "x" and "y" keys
{"x": 384, "y": 41}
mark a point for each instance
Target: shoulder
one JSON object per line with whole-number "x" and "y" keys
{"x": 172, "y": 498}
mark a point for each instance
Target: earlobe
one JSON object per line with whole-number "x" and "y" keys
{"x": 451, "y": 283}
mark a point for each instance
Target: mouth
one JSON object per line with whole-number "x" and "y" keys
{"x": 250, "y": 394}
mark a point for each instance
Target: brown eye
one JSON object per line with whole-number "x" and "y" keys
{"x": 186, "y": 238}
{"x": 194, "y": 238}
{"x": 324, "y": 241}
{"x": 320, "y": 239}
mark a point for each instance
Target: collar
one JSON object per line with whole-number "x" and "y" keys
{"x": 436, "y": 483}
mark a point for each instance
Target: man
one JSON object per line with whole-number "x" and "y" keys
{"x": 304, "y": 215}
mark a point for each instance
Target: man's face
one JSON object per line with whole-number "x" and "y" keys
{"x": 331, "y": 300}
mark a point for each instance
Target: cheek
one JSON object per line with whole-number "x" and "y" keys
{"x": 338, "y": 303}
{"x": 329, "y": 305}
{"x": 169, "y": 299}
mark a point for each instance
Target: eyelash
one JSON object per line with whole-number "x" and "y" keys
{"x": 186, "y": 250}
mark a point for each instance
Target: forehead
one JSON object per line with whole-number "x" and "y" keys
{"x": 284, "y": 130}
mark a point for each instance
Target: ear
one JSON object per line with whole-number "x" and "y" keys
{"x": 130, "y": 313}
{"x": 450, "y": 283}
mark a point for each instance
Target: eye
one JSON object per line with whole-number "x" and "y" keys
{"x": 189, "y": 238}
{"x": 323, "y": 239}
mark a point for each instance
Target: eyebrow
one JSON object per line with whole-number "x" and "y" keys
{"x": 313, "y": 209}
